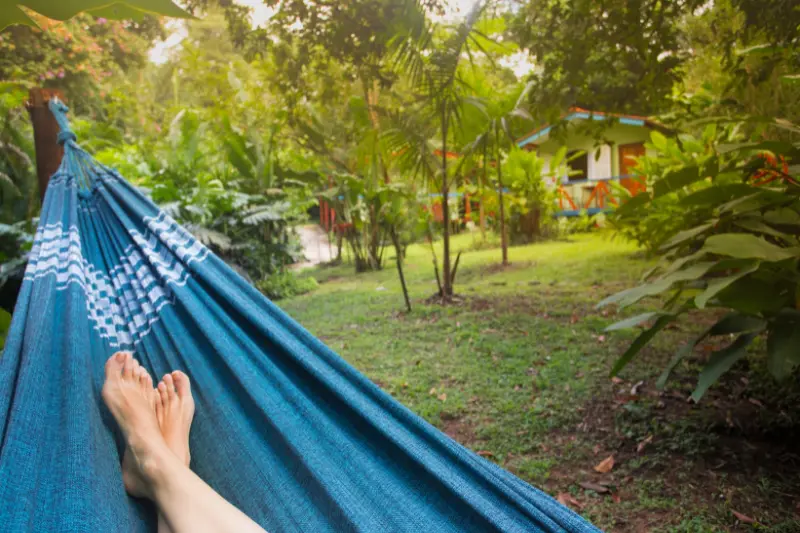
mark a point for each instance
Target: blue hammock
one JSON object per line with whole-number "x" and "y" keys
{"x": 285, "y": 429}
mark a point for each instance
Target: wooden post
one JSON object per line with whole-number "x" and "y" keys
{"x": 45, "y": 135}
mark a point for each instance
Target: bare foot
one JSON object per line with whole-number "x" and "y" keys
{"x": 130, "y": 398}
{"x": 174, "y": 411}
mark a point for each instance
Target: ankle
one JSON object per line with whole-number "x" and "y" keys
{"x": 154, "y": 461}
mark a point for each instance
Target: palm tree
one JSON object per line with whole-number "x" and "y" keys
{"x": 432, "y": 66}
{"x": 495, "y": 138}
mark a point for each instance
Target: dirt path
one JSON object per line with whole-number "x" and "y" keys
{"x": 316, "y": 247}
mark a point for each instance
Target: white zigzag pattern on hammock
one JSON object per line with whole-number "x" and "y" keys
{"x": 124, "y": 303}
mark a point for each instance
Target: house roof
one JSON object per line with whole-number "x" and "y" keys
{"x": 578, "y": 113}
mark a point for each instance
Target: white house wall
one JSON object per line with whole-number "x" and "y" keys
{"x": 600, "y": 163}
{"x": 607, "y": 165}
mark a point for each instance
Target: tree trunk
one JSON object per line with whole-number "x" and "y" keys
{"x": 503, "y": 236}
{"x": 398, "y": 251}
{"x": 446, "y": 284}
{"x": 45, "y": 136}
{"x": 481, "y": 185}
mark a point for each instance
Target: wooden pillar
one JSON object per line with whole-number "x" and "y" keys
{"x": 45, "y": 135}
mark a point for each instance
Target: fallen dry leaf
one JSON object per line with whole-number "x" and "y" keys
{"x": 596, "y": 449}
{"x": 755, "y": 402}
{"x": 635, "y": 388}
{"x": 443, "y": 396}
{"x": 599, "y": 489}
{"x": 616, "y": 498}
{"x": 642, "y": 445}
{"x": 432, "y": 391}
{"x": 605, "y": 466}
{"x": 743, "y": 518}
{"x": 616, "y": 381}
{"x": 565, "y": 498}
{"x": 485, "y": 453}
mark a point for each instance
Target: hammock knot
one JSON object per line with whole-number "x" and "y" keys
{"x": 59, "y": 110}
{"x": 65, "y": 136}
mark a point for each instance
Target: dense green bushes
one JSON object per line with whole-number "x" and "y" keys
{"x": 285, "y": 284}
{"x": 725, "y": 218}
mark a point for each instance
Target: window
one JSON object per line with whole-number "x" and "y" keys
{"x": 579, "y": 166}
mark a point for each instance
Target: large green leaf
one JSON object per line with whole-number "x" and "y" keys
{"x": 784, "y": 216}
{"x": 758, "y": 200}
{"x": 736, "y": 323}
{"x": 718, "y": 284}
{"x": 66, "y": 9}
{"x": 720, "y": 362}
{"x": 729, "y": 324}
{"x": 640, "y": 342}
{"x": 659, "y": 140}
{"x": 755, "y": 225}
{"x": 783, "y": 347}
{"x": 747, "y": 246}
{"x": 677, "y": 358}
{"x": 119, "y": 11}
{"x": 633, "y": 321}
{"x": 717, "y": 194}
{"x": 685, "y": 235}
{"x": 633, "y": 295}
{"x": 633, "y": 204}
{"x": 676, "y": 180}
{"x": 754, "y": 296}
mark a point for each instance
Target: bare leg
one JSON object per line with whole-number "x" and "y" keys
{"x": 188, "y": 504}
{"x": 174, "y": 410}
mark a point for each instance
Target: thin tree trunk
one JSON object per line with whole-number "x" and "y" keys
{"x": 398, "y": 251}
{"x": 503, "y": 236}
{"x": 447, "y": 287}
{"x": 435, "y": 263}
{"x": 455, "y": 266}
{"x": 481, "y": 185}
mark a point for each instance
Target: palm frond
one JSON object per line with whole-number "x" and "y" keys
{"x": 209, "y": 236}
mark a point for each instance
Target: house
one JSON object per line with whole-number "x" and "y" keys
{"x": 587, "y": 185}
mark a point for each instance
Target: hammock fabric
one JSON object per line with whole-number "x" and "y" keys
{"x": 285, "y": 429}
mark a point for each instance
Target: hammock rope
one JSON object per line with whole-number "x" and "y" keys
{"x": 285, "y": 429}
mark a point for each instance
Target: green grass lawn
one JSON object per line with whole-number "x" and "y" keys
{"x": 517, "y": 370}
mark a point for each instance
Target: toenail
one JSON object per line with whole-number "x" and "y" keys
{"x": 120, "y": 356}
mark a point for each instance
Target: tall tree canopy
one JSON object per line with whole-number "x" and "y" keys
{"x": 618, "y": 55}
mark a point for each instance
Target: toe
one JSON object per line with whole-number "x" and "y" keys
{"x": 170, "y": 384}
{"x": 114, "y": 365}
{"x": 128, "y": 367}
{"x": 182, "y": 386}
{"x": 158, "y": 405}
{"x": 162, "y": 391}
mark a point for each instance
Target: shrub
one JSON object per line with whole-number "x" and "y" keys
{"x": 650, "y": 220}
{"x": 740, "y": 252}
{"x": 583, "y": 223}
{"x": 286, "y": 284}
